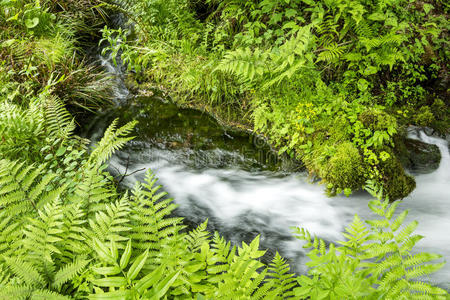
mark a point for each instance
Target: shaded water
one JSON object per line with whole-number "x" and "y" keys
{"x": 236, "y": 181}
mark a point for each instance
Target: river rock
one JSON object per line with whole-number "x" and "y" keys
{"x": 419, "y": 157}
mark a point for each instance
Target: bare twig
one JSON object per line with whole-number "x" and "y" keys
{"x": 126, "y": 170}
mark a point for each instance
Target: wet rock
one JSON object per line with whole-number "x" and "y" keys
{"x": 419, "y": 157}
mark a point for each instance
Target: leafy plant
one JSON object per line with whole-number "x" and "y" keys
{"x": 374, "y": 261}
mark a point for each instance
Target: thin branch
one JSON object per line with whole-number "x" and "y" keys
{"x": 126, "y": 170}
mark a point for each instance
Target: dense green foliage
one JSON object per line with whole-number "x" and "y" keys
{"x": 67, "y": 233}
{"x": 332, "y": 82}
{"x": 40, "y": 47}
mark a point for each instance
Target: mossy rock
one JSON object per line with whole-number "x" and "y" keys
{"x": 339, "y": 130}
{"x": 396, "y": 183}
{"x": 376, "y": 119}
{"x": 345, "y": 169}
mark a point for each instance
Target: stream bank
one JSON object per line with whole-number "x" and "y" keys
{"x": 243, "y": 188}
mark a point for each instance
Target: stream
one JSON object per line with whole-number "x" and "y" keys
{"x": 244, "y": 189}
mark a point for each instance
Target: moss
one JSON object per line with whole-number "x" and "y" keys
{"x": 424, "y": 116}
{"x": 441, "y": 112}
{"x": 376, "y": 119}
{"x": 396, "y": 183}
{"x": 339, "y": 130}
{"x": 345, "y": 169}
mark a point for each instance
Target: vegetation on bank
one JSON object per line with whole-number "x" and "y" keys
{"x": 67, "y": 233}
{"x": 332, "y": 82}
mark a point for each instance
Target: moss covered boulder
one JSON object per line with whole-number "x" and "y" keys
{"x": 345, "y": 169}
{"x": 396, "y": 183}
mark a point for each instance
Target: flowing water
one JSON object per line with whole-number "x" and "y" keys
{"x": 240, "y": 185}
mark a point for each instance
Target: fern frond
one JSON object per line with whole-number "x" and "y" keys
{"x": 283, "y": 280}
{"x": 331, "y": 52}
{"x": 21, "y": 131}
{"x": 113, "y": 223}
{"x": 41, "y": 233}
{"x": 93, "y": 192}
{"x": 73, "y": 233}
{"x": 58, "y": 121}
{"x": 10, "y": 234}
{"x": 197, "y": 237}
{"x": 244, "y": 64}
{"x": 16, "y": 292}
{"x": 363, "y": 29}
{"x": 113, "y": 140}
{"x": 150, "y": 216}
{"x": 17, "y": 196}
{"x": 26, "y": 271}
{"x": 43, "y": 294}
{"x": 69, "y": 271}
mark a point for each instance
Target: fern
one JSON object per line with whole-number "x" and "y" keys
{"x": 73, "y": 233}
{"x": 113, "y": 222}
{"x": 18, "y": 292}
{"x": 283, "y": 280}
{"x": 22, "y": 131}
{"x": 150, "y": 216}
{"x": 27, "y": 272}
{"x": 58, "y": 121}
{"x": 41, "y": 234}
{"x": 48, "y": 295}
{"x": 127, "y": 276}
{"x": 331, "y": 53}
{"x": 69, "y": 272}
{"x": 10, "y": 234}
{"x": 197, "y": 237}
{"x": 113, "y": 140}
{"x": 246, "y": 64}
{"x": 20, "y": 190}
{"x": 94, "y": 191}
{"x": 377, "y": 255}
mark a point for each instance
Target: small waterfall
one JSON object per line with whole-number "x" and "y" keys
{"x": 442, "y": 174}
{"x": 120, "y": 91}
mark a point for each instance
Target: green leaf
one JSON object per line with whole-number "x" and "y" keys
{"x": 363, "y": 84}
{"x": 377, "y": 17}
{"x": 149, "y": 280}
{"x": 61, "y": 150}
{"x": 370, "y": 70}
{"x": 161, "y": 289}
{"x": 114, "y": 250}
{"x": 103, "y": 252}
{"x": 107, "y": 271}
{"x": 8, "y": 43}
{"x": 137, "y": 266}
{"x": 116, "y": 295}
{"x": 125, "y": 256}
{"x": 13, "y": 18}
{"x": 427, "y": 7}
{"x": 31, "y": 23}
{"x": 399, "y": 221}
{"x": 110, "y": 282}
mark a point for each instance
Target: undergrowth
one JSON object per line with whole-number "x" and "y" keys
{"x": 67, "y": 233}
{"x": 333, "y": 83}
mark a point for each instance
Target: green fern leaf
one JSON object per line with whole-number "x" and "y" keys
{"x": 68, "y": 272}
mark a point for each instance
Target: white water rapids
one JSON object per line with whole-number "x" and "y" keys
{"x": 241, "y": 204}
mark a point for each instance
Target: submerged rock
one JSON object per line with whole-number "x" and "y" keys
{"x": 196, "y": 138}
